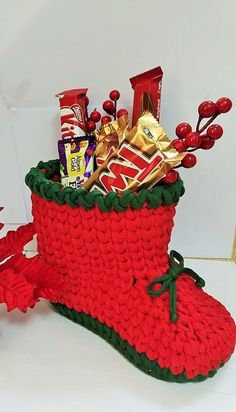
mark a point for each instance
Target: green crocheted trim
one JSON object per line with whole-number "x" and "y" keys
{"x": 39, "y": 183}
{"x": 138, "y": 359}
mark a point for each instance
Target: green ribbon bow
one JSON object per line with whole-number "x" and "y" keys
{"x": 168, "y": 281}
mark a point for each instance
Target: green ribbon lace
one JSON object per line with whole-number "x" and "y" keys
{"x": 168, "y": 281}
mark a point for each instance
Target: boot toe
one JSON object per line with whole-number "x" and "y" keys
{"x": 202, "y": 339}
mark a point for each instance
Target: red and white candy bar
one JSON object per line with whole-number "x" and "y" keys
{"x": 73, "y": 112}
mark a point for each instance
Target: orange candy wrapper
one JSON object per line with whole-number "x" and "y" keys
{"x": 142, "y": 159}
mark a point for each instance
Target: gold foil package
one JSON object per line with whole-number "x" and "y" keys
{"x": 143, "y": 158}
{"x": 109, "y": 137}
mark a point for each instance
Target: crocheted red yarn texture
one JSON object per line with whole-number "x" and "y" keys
{"x": 108, "y": 259}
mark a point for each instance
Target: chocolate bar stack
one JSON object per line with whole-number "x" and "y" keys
{"x": 115, "y": 156}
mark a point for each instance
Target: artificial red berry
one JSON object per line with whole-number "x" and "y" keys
{"x": 206, "y": 143}
{"x": 90, "y": 126}
{"x": 108, "y": 106}
{"x": 193, "y": 139}
{"x": 215, "y": 131}
{"x": 121, "y": 112}
{"x": 56, "y": 178}
{"x": 170, "y": 177}
{"x": 95, "y": 116}
{"x": 105, "y": 119}
{"x": 114, "y": 95}
{"x": 223, "y": 105}
{"x": 207, "y": 109}
{"x": 189, "y": 160}
{"x": 182, "y": 130}
{"x": 178, "y": 145}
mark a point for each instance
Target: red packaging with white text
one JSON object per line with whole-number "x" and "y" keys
{"x": 147, "y": 93}
{"x": 73, "y": 112}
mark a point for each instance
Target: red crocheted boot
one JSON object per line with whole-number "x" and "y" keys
{"x": 121, "y": 282}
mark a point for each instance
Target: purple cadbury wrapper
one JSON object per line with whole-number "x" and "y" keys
{"x": 76, "y": 157}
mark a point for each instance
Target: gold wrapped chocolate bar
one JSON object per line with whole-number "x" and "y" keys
{"x": 142, "y": 159}
{"x": 109, "y": 137}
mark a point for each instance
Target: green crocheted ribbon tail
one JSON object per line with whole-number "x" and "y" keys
{"x": 38, "y": 180}
{"x": 168, "y": 281}
{"x": 140, "y": 360}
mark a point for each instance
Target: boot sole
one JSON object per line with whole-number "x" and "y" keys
{"x": 140, "y": 360}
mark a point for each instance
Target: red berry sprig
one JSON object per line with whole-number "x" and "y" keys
{"x": 95, "y": 116}
{"x": 110, "y": 106}
{"x": 170, "y": 177}
{"x": 189, "y": 141}
{"x": 211, "y": 110}
{"x": 223, "y": 105}
{"x": 90, "y": 126}
{"x": 114, "y": 96}
{"x": 193, "y": 139}
{"x": 215, "y": 131}
{"x": 105, "y": 119}
{"x": 179, "y": 145}
{"x": 90, "y": 121}
{"x": 207, "y": 109}
{"x": 121, "y": 112}
{"x": 182, "y": 130}
{"x": 206, "y": 143}
{"x": 189, "y": 160}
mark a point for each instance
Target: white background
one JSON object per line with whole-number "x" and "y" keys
{"x": 50, "y": 45}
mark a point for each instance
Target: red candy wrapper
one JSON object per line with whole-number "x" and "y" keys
{"x": 73, "y": 112}
{"x": 147, "y": 93}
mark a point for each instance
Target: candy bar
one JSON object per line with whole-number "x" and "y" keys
{"x": 147, "y": 93}
{"x": 143, "y": 158}
{"x": 109, "y": 136}
{"x": 73, "y": 112}
{"x": 76, "y": 160}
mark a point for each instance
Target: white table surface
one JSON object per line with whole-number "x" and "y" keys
{"x": 50, "y": 364}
